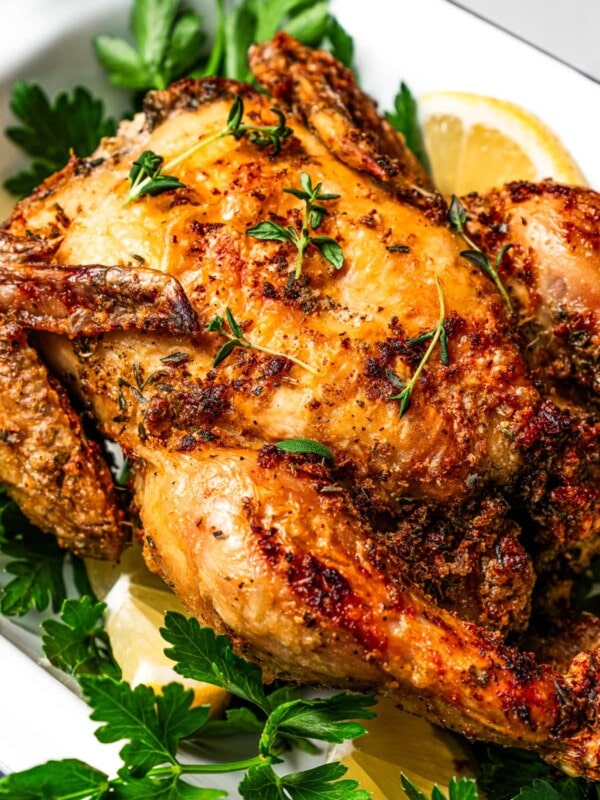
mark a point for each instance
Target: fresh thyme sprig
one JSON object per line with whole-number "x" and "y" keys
{"x": 314, "y": 213}
{"x": 236, "y": 338}
{"x": 147, "y": 177}
{"x": 433, "y": 336}
{"x": 148, "y": 174}
{"x": 457, "y": 216}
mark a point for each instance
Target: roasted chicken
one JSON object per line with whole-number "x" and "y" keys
{"x": 410, "y": 561}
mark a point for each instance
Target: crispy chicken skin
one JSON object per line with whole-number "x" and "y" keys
{"x": 400, "y": 566}
{"x": 553, "y": 270}
{"x": 47, "y": 463}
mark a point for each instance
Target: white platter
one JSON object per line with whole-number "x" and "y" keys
{"x": 433, "y": 46}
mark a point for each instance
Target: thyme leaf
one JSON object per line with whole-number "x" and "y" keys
{"x": 232, "y": 330}
{"x": 148, "y": 176}
{"x": 314, "y": 213}
{"x": 457, "y": 216}
{"x": 437, "y": 334}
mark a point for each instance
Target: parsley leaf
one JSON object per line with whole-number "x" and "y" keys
{"x": 49, "y": 131}
{"x": 168, "y": 43}
{"x": 56, "y": 780}
{"x": 258, "y": 20}
{"x": 38, "y": 565}
{"x": 405, "y": 119}
{"x": 152, "y": 724}
{"x": 326, "y": 720}
{"x": 463, "y": 789}
{"x": 507, "y": 771}
{"x": 79, "y": 644}
{"x": 585, "y": 595}
{"x": 237, "y": 721}
{"x": 202, "y": 655}
{"x": 320, "y": 783}
{"x": 164, "y": 789}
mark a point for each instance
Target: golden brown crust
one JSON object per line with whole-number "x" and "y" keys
{"x": 234, "y": 544}
{"x": 47, "y": 463}
{"x": 553, "y": 271}
{"x": 325, "y": 94}
{"x": 311, "y": 568}
{"x": 91, "y": 300}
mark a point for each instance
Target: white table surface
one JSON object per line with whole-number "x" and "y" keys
{"x": 567, "y": 29}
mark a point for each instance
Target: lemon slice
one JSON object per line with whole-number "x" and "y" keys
{"x": 136, "y": 602}
{"x": 476, "y": 143}
{"x": 397, "y": 743}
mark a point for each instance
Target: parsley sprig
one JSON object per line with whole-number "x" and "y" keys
{"x": 154, "y": 726}
{"x": 507, "y": 773}
{"x": 458, "y": 789}
{"x": 78, "y": 643}
{"x": 314, "y": 213}
{"x": 457, "y": 215}
{"x": 50, "y": 130}
{"x": 147, "y": 175}
{"x": 232, "y": 330}
{"x": 168, "y": 42}
{"x": 41, "y": 568}
{"x": 405, "y": 119}
{"x": 433, "y": 336}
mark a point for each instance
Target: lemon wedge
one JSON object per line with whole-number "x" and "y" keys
{"x": 136, "y": 602}
{"x": 398, "y": 743}
{"x": 476, "y": 143}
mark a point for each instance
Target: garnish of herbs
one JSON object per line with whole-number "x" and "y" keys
{"x": 457, "y": 217}
{"x": 148, "y": 175}
{"x": 232, "y": 330}
{"x": 433, "y": 336}
{"x": 314, "y": 213}
{"x": 303, "y": 446}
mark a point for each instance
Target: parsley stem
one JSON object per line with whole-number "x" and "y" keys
{"x": 269, "y": 352}
{"x": 230, "y": 766}
{"x": 218, "y": 48}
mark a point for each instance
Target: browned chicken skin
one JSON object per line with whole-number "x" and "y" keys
{"x": 399, "y": 566}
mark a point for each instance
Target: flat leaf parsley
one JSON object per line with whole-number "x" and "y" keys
{"x": 153, "y": 726}
{"x": 50, "y": 131}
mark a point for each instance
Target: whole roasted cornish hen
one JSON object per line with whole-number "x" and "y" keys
{"x": 464, "y": 458}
